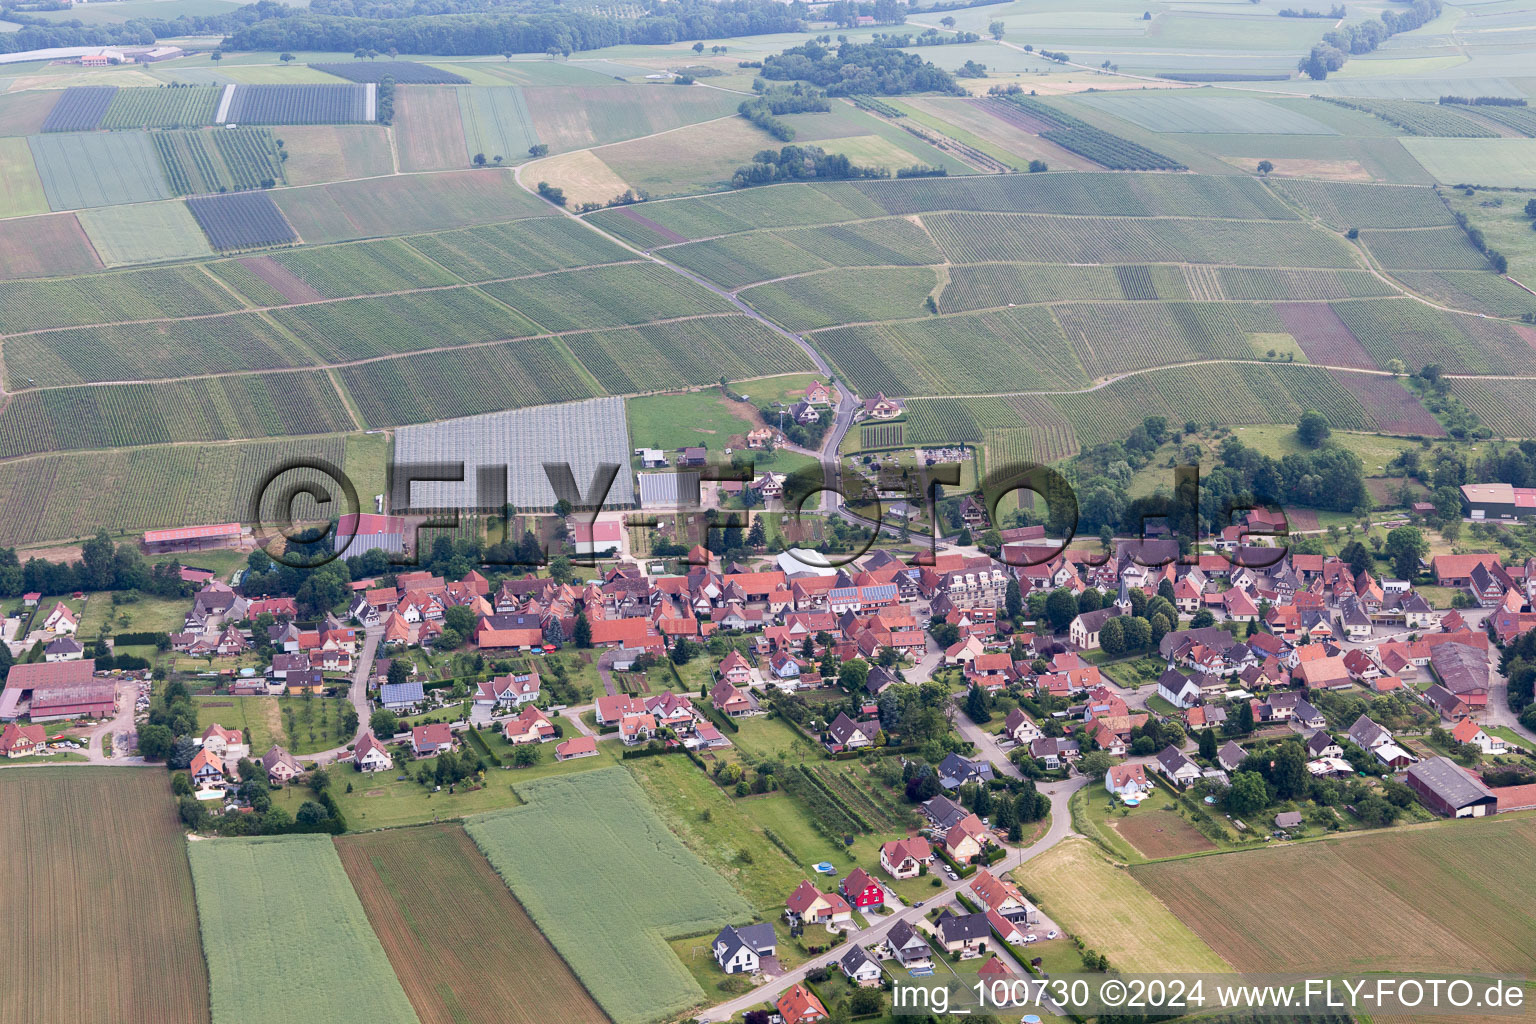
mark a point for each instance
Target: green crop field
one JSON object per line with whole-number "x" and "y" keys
{"x": 1424, "y": 118}
{"x": 147, "y": 351}
{"x": 21, "y": 190}
{"x": 1418, "y": 334}
{"x": 510, "y": 972}
{"x": 391, "y": 324}
{"x": 523, "y": 247}
{"x": 496, "y": 122}
{"x": 687, "y": 353}
{"x": 1445, "y": 248}
{"x": 612, "y": 932}
{"x": 106, "y": 298}
{"x": 1008, "y": 350}
{"x": 989, "y": 285}
{"x": 1272, "y": 283}
{"x": 98, "y": 169}
{"x": 442, "y": 385}
{"x": 335, "y": 152}
{"x": 363, "y": 268}
{"x": 1011, "y": 430}
{"x": 789, "y": 205}
{"x": 405, "y": 204}
{"x": 844, "y": 296}
{"x": 50, "y": 497}
{"x": 144, "y": 233}
{"x": 1501, "y": 404}
{"x": 1112, "y": 338}
{"x": 222, "y": 160}
{"x": 1344, "y": 204}
{"x": 165, "y": 107}
{"x": 69, "y": 899}
{"x": 1084, "y": 195}
{"x": 627, "y": 293}
{"x": 737, "y": 260}
{"x": 284, "y": 931}
{"x": 1446, "y": 884}
{"x": 1476, "y": 291}
{"x": 576, "y": 117}
{"x": 1188, "y": 112}
{"x": 1508, "y": 163}
{"x": 201, "y": 409}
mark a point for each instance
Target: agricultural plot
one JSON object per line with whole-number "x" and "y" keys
{"x": 144, "y": 233}
{"x": 442, "y": 385}
{"x": 1104, "y": 148}
{"x": 1008, "y": 350}
{"x": 403, "y": 72}
{"x": 639, "y": 360}
{"x": 219, "y": 161}
{"x": 1323, "y": 336}
{"x": 523, "y": 247}
{"x": 1165, "y": 111}
{"x": 1422, "y": 118}
{"x": 24, "y": 113}
{"x": 1504, "y": 405}
{"x": 1029, "y": 238}
{"x": 1475, "y": 291}
{"x": 1521, "y": 119}
{"x": 298, "y": 104}
{"x": 1012, "y": 430}
{"x": 46, "y": 246}
{"x": 1114, "y": 338}
{"x": 406, "y": 204}
{"x": 241, "y": 220}
{"x": 133, "y": 295}
{"x": 737, "y": 260}
{"x": 1419, "y": 335}
{"x": 733, "y": 260}
{"x": 610, "y": 932}
{"x": 1083, "y": 195}
{"x": 776, "y": 206}
{"x": 21, "y": 190}
{"x": 201, "y": 409}
{"x": 1343, "y": 204}
{"x": 71, "y": 903}
{"x": 625, "y": 293}
{"x": 577, "y": 116}
{"x": 496, "y": 123}
{"x": 844, "y": 296}
{"x": 999, "y": 284}
{"x": 80, "y": 108}
{"x": 165, "y": 107}
{"x": 392, "y": 324}
{"x": 55, "y": 497}
{"x": 1277, "y": 283}
{"x": 98, "y": 169}
{"x": 362, "y": 268}
{"x": 886, "y": 435}
{"x": 511, "y": 966}
{"x": 1446, "y": 885}
{"x": 1221, "y": 393}
{"x": 336, "y": 152}
{"x": 1105, "y": 908}
{"x": 429, "y": 130}
{"x": 1506, "y": 163}
{"x": 1445, "y": 248}
{"x": 147, "y": 351}
{"x": 1395, "y": 409}
{"x": 261, "y": 900}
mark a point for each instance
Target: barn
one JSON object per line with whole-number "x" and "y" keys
{"x": 192, "y": 538}
{"x": 57, "y": 689}
{"x": 1446, "y": 789}
{"x": 358, "y": 533}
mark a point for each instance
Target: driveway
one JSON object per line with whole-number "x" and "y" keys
{"x": 986, "y": 745}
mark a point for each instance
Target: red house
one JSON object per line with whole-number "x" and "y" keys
{"x": 861, "y": 890}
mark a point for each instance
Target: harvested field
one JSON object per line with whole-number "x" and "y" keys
{"x": 510, "y": 972}
{"x": 335, "y": 152}
{"x": 1162, "y": 834}
{"x": 101, "y": 926}
{"x": 583, "y": 175}
{"x": 1395, "y": 409}
{"x": 1447, "y": 885}
{"x": 47, "y": 246}
{"x": 1324, "y": 337}
{"x": 1104, "y": 907}
{"x": 23, "y": 113}
{"x": 429, "y": 129}
{"x": 1302, "y": 520}
{"x": 281, "y": 278}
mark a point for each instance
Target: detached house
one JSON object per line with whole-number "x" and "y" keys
{"x": 800, "y": 1006}
{"x": 741, "y": 950}
{"x": 1084, "y": 630}
{"x": 809, "y": 905}
{"x": 1180, "y": 770}
{"x": 860, "y": 968}
{"x": 909, "y": 948}
{"x": 1128, "y": 780}
{"x": 963, "y": 933}
{"x": 861, "y": 890}
{"x": 370, "y": 756}
{"x": 904, "y": 858}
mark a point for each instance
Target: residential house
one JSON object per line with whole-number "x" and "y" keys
{"x": 431, "y": 740}
{"x": 22, "y": 740}
{"x": 530, "y": 725}
{"x": 798, "y": 1005}
{"x": 1083, "y": 631}
{"x": 1128, "y": 780}
{"x": 735, "y": 670}
{"x": 730, "y": 701}
{"x": 1053, "y": 752}
{"x": 226, "y": 744}
{"x": 967, "y": 839}
{"x": 369, "y": 754}
{"x": 1230, "y": 756}
{"x": 1468, "y": 731}
{"x": 1020, "y": 728}
{"x": 904, "y": 858}
{"x": 859, "y": 967}
{"x": 909, "y": 947}
{"x": 955, "y": 771}
{"x": 280, "y": 766}
{"x": 740, "y": 950}
{"x": 207, "y": 773}
{"x": 576, "y": 746}
{"x": 1178, "y": 689}
{"x": 809, "y": 905}
{"x": 861, "y": 890}
{"x": 965, "y": 934}
{"x": 1180, "y": 770}
{"x": 1000, "y": 896}
{"x": 846, "y": 734}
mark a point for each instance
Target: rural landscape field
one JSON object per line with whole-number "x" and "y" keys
{"x": 736, "y": 511}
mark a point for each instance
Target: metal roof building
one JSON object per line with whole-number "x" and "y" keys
{"x": 669, "y": 490}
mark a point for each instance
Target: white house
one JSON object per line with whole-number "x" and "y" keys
{"x": 741, "y": 950}
{"x": 1128, "y": 780}
{"x": 1178, "y": 689}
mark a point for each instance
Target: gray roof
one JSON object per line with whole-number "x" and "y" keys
{"x": 1173, "y": 760}
{"x": 1461, "y": 667}
{"x": 1319, "y": 741}
{"x": 902, "y": 934}
{"x": 944, "y": 811}
{"x": 1231, "y": 755}
{"x": 669, "y": 489}
{"x": 855, "y": 958}
{"x": 955, "y": 770}
{"x": 1441, "y": 776}
{"x": 953, "y": 926}
{"x": 401, "y": 693}
{"x": 1288, "y": 819}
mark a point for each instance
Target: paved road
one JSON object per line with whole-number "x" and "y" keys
{"x": 986, "y": 743}
{"x": 120, "y": 728}
{"x": 357, "y": 694}
{"x": 1061, "y": 827}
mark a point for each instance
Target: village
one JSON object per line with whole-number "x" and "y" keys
{"x": 1265, "y": 696}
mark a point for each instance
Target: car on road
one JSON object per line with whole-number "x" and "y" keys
{"x": 1053, "y": 933}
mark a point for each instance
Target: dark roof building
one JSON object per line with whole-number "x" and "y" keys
{"x": 1446, "y": 789}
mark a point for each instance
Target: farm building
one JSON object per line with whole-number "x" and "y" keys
{"x": 669, "y": 490}
{"x": 596, "y": 538}
{"x": 1446, "y": 789}
{"x": 1497, "y": 501}
{"x": 358, "y": 533}
{"x": 56, "y": 690}
{"x": 192, "y": 538}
